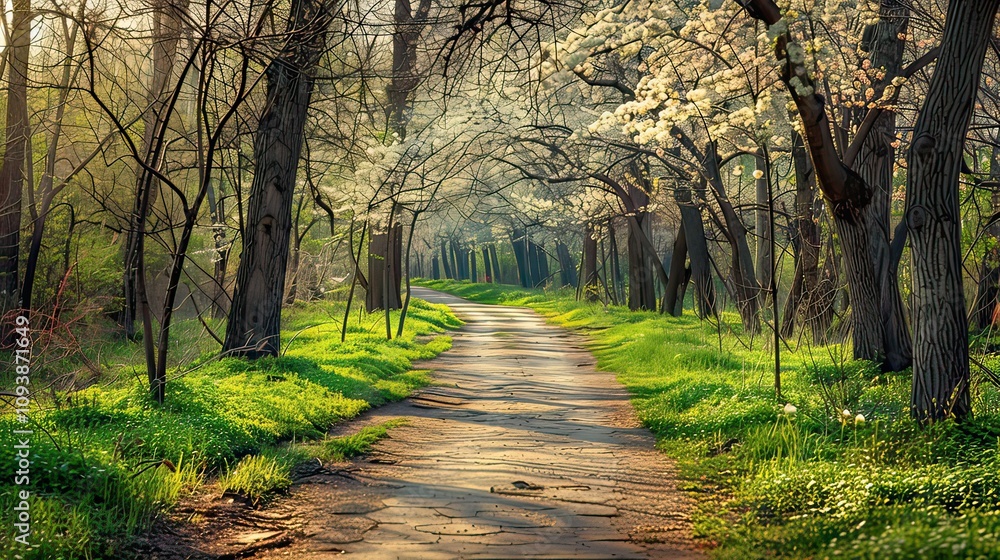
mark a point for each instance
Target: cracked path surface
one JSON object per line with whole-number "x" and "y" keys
{"x": 522, "y": 450}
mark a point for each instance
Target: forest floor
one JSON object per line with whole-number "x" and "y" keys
{"x": 521, "y": 448}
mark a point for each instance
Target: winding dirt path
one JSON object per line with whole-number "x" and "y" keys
{"x": 522, "y": 449}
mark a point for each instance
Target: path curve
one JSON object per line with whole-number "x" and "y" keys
{"x": 522, "y": 449}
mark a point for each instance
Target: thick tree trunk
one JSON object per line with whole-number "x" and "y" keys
{"x": 567, "y": 268}
{"x": 385, "y": 250}
{"x": 940, "y": 330}
{"x": 444, "y": 262}
{"x": 13, "y": 170}
{"x": 867, "y": 328}
{"x": 254, "y": 327}
{"x": 435, "y": 268}
{"x": 874, "y": 164}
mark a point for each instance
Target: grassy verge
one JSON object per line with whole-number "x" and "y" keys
{"x": 106, "y": 460}
{"x": 258, "y": 476}
{"x": 845, "y": 474}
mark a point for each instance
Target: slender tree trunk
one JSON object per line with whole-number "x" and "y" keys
{"x": 940, "y": 330}
{"x": 519, "y": 241}
{"x": 488, "y": 266}
{"x": 617, "y": 282}
{"x": 435, "y": 268}
{"x": 762, "y": 229}
{"x": 987, "y": 302}
{"x": 590, "y": 286}
{"x": 474, "y": 265}
{"x": 444, "y": 262}
{"x": 495, "y": 263}
{"x": 254, "y": 327}
{"x": 804, "y": 296}
{"x": 168, "y": 20}
{"x": 742, "y": 280}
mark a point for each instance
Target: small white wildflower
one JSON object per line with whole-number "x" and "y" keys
{"x": 859, "y": 419}
{"x": 758, "y": 174}
{"x": 846, "y": 414}
{"x": 790, "y": 409}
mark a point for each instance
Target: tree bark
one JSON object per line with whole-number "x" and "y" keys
{"x": 988, "y": 288}
{"x": 940, "y": 330}
{"x": 804, "y": 296}
{"x": 254, "y": 327}
{"x": 762, "y": 224}
{"x": 13, "y": 170}
{"x": 672, "y": 303}
{"x": 567, "y": 268}
{"x": 697, "y": 249}
{"x": 641, "y": 276}
{"x": 591, "y": 289}
{"x": 495, "y": 264}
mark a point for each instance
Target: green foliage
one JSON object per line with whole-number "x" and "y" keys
{"x": 114, "y": 459}
{"x": 813, "y": 483}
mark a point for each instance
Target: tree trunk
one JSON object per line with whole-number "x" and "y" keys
{"x": 168, "y": 18}
{"x": 519, "y": 241}
{"x": 475, "y": 268}
{"x": 567, "y": 268}
{"x": 697, "y": 249}
{"x": 940, "y": 330}
{"x": 742, "y": 280}
{"x": 673, "y": 304}
{"x": 487, "y": 265}
{"x": 762, "y": 225}
{"x": 590, "y": 287}
{"x": 804, "y": 297}
{"x": 874, "y": 164}
{"x": 641, "y": 276}
{"x": 988, "y": 289}
{"x": 254, "y": 327}
{"x": 13, "y": 170}
{"x": 495, "y": 263}
{"x": 435, "y": 268}
{"x": 384, "y": 270}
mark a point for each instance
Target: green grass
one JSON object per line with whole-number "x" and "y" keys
{"x": 106, "y": 460}
{"x": 813, "y": 484}
{"x": 258, "y": 476}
